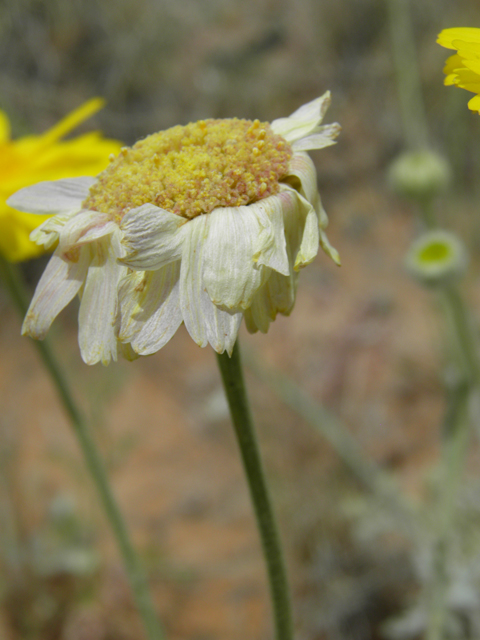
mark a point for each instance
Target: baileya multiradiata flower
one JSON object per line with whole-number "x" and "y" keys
{"x": 463, "y": 68}
{"x": 202, "y": 224}
{"x": 47, "y": 156}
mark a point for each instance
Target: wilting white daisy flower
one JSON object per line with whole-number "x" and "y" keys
{"x": 228, "y": 223}
{"x": 203, "y": 224}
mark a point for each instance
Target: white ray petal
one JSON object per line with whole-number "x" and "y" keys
{"x": 304, "y": 121}
{"x": 281, "y": 292}
{"x": 313, "y": 235}
{"x": 222, "y": 326}
{"x": 48, "y": 232}
{"x": 304, "y": 231}
{"x": 153, "y": 237}
{"x": 329, "y": 250}
{"x": 294, "y": 222}
{"x": 191, "y": 279}
{"x": 302, "y": 167}
{"x": 259, "y": 315}
{"x": 310, "y": 240}
{"x": 205, "y": 322}
{"x": 150, "y": 308}
{"x": 58, "y": 285}
{"x": 230, "y": 273}
{"x": 271, "y": 249}
{"x": 96, "y": 335}
{"x": 86, "y": 226}
{"x": 316, "y": 108}
{"x": 52, "y": 197}
{"x": 277, "y": 296}
{"x": 127, "y": 352}
{"x": 319, "y": 138}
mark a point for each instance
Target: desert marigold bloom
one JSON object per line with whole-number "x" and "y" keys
{"x": 203, "y": 224}
{"x": 463, "y": 68}
{"x": 34, "y": 158}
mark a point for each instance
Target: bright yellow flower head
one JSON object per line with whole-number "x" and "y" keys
{"x": 463, "y": 68}
{"x": 39, "y": 158}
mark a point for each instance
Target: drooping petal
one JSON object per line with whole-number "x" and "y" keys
{"x": 230, "y": 273}
{"x": 328, "y": 249}
{"x": 305, "y": 230}
{"x": 295, "y": 210}
{"x": 271, "y": 249}
{"x": 98, "y": 307}
{"x": 150, "y": 308}
{"x": 127, "y": 352}
{"x": 153, "y": 237}
{"x": 222, "y": 326}
{"x": 302, "y": 167}
{"x": 58, "y": 196}
{"x": 304, "y": 121}
{"x": 48, "y": 232}
{"x": 191, "y": 280}
{"x": 58, "y": 285}
{"x": 277, "y": 296}
{"x": 205, "y": 322}
{"x": 310, "y": 239}
{"x": 86, "y": 226}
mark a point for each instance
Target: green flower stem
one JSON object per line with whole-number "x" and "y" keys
{"x": 427, "y": 211}
{"x": 462, "y": 334}
{"x": 407, "y": 72}
{"x": 462, "y": 408}
{"x": 371, "y": 476}
{"x": 232, "y": 376}
{"x": 456, "y": 438}
{"x": 135, "y": 572}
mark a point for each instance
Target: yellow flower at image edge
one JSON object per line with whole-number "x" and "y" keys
{"x": 203, "y": 224}
{"x": 36, "y": 158}
{"x": 463, "y": 68}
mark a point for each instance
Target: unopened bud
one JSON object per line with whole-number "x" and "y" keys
{"x": 420, "y": 175}
{"x": 437, "y": 258}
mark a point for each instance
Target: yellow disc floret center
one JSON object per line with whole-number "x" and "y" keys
{"x": 193, "y": 169}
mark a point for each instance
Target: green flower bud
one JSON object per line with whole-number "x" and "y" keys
{"x": 419, "y": 175}
{"x": 437, "y": 258}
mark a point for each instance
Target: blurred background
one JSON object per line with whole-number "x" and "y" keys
{"x": 364, "y": 340}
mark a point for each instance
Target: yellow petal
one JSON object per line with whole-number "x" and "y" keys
{"x": 467, "y": 50}
{"x": 468, "y": 80}
{"x": 15, "y": 229}
{"x": 473, "y": 65}
{"x": 474, "y": 104}
{"x": 450, "y": 80}
{"x": 33, "y": 159}
{"x": 452, "y": 64}
{"x": 467, "y": 34}
{"x": 73, "y": 119}
{"x": 4, "y": 127}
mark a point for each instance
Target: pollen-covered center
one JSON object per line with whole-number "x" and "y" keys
{"x": 193, "y": 169}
